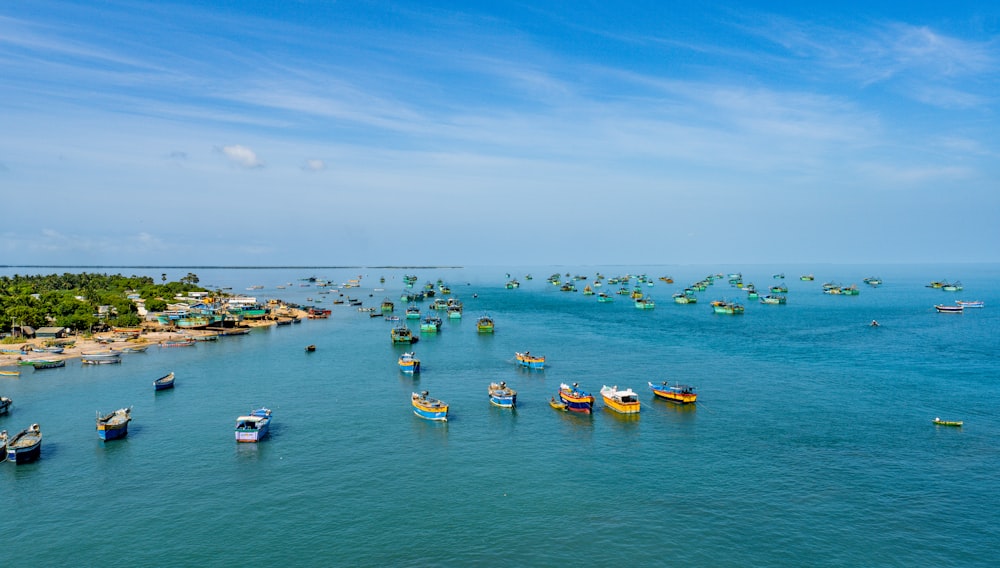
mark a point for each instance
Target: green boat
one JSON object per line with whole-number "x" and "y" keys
{"x": 940, "y": 422}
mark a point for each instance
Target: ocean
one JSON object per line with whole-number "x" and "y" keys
{"x": 811, "y": 443}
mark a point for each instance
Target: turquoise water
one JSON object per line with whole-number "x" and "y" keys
{"x": 811, "y": 445}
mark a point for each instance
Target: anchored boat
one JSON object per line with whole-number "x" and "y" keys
{"x": 429, "y": 408}
{"x": 114, "y": 425}
{"x": 254, "y": 426}
{"x": 501, "y": 395}
{"x": 164, "y": 382}
{"x": 409, "y": 364}
{"x": 530, "y": 361}
{"x": 623, "y": 401}
{"x": 681, "y": 394}
{"x": 576, "y": 399}
{"x": 26, "y": 445}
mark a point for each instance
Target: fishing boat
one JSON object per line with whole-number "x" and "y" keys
{"x": 970, "y": 304}
{"x": 558, "y": 404}
{"x": 310, "y": 348}
{"x": 530, "y": 361}
{"x": 387, "y": 305}
{"x": 681, "y": 394}
{"x": 940, "y": 422}
{"x": 501, "y": 395}
{"x": 952, "y": 287}
{"x": 3, "y": 445}
{"x": 485, "y": 324}
{"x": 103, "y": 358}
{"x": 645, "y": 303}
{"x": 623, "y": 401}
{"x": 51, "y": 349}
{"x": 134, "y": 349}
{"x": 114, "y": 425}
{"x": 7, "y": 373}
{"x": 430, "y": 324}
{"x": 682, "y": 298}
{"x": 773, "y": 299}
{"x": 254, "y": 426}
{"x": 807, "y": 278}
{"x": 5, "y": 404}
{"x": 177, "y": 343}
{"x": 402, "y": 335}
{"x": 413, "y": 312}
{"x": 429, "y": 408}
{"x": 576, "y": 399}
{"x": 39, "y": 364}
{"x": 604, "y": 298}
{"x": 730, "y": 308}
{"x": 25, "y": 446}
{"x": 164, "y": 382}
{"x": 779, "y": 289}
{"x": 949, "y": 309}
{"x": 408, "y": 363}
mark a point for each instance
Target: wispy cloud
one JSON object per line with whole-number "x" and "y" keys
{"x": 242, "y": 156}
{"x": 314, "y": 165}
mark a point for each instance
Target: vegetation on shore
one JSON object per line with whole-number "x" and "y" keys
{"x": 73, "y": 300}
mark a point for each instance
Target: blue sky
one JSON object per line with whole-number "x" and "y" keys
{"x": 465, "y": 133}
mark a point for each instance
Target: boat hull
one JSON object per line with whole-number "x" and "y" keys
{"x": 164, "y": 383}
{"x": 24, "y": 455}
{"x": 429, "y": 408}
{"x": 677, "y": 395}
{"x": 112, "y": 432}
{"x": 621, "y": 407}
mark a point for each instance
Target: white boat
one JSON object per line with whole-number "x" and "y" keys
{"x": 254, "y": 426}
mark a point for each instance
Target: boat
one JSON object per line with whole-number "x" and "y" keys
{"x": 588, "y": 291}
{"x": 646, "y": 303}
{"x": 952, "y": 287}
{"x": 177, "y": 343}
{"x": 25, "y": 446}
{"x": 135, "y": 349}
{"x": 254, "y": 426}
{"x": 501, "y": 395}
{"x": 681, "y": 394}
{"x": 940, "y": 422}
{"x": 387, "y": 305}
{"x": 430, "y": 324}
{"x": 530, "y": 361}
{"x": 3, "y": 445}
{"x": 429, "y": 408}
{"x": 623, "y": 401}
{"x": 408, "y": 363}
{"x": 103, "y": 358}
{"x": 164, "y": 382}
{"x": 807, "y": 278}
{"x": 485, "y": 324}
{"x": 52, "y": 349}
{"x": 730, "y": 308}
{"x": 604, "y": 298}
{"x": 558, "y": 404}
{"x": 6, "y": 373}
{"x": 682, "y": 298}
{"x": 970, "y": 304}
{"x": 47, "y": 363}
{"x": 413, "y": 312}
{"x": 5, "y": 404}
{"x": 949, "y": 309}
{"x": 780, "y": 289}
{"x": 576, "y": 399}
{"x": 114, "y": 425}
{"x": 773, "y": 299}
{"x": 402, "y": 334}
{"x": 310, "y": 348}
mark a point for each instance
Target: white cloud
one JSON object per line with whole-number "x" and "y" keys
{"x": 242, "y": 156}
{"x": 314, "y": 165}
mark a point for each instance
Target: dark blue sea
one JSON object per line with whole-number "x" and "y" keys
{"x": 811, "y": 443}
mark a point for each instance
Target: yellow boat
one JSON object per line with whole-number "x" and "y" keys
{"x": 940, "y": 422}
{"x": 557, "y": 404}
{"x": 623, "y": 401}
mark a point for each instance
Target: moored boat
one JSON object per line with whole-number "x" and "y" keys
{"x": 254, "y": 426}
{"x": 501, "y": 395}
{"x": 430, "y": 324}
{"x": 408, "y": 363}
{"x": 485, "y": 324}
{"x": 558, "y": 404}
{"x": 164, "y": 382}
{"x": 177, "y": 343}
{"x": 970, "y": 304}
{"x": 681, "y": 394}
{"x": 949, "y": 309}
{"x": 576, "y": 399}
{"x": 730, "y": 308}
{"x": 429, "y": 408}
{"x": 114, "y": 425}
{"x": 47, "y": 363}
{"x": 623, "y": 401}
{"x": 103, "y": 358}
{"x": 5, "y": 404}
{"x": 645, "y": 303}
{"x": 402, "y": 335}
{"x": 9, "y": 373}
{"x": 940, "y": 422}
{"x": 25, "y": 446}
{"x": 773, "y": 299}
{"x": 530, "y": 361}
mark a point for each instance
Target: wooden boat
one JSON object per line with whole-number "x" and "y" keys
{"x": 970, "y": 304}
{"x": 429, "y": 408}
{"x": 310, "y": 348}
{"x": 26, "y": 445}
{"x": 807, "y": 278}
{"x": 177, "y": 343}
{"x": 773, "y": 299}
{"x": 576, "y": 399}
{"x": 5, "y": 404}
{"x": 4, "y": 373}
{"x": 646, "y": 303}
{"x": 780, "y": 289}
{"x": 402, "y": 335}
{"x": 729, "y": 308}
{"x": 103, "y": 358}
{"x": 501, "y": 395}
{"x": 408, "y": 363}
{"x": 114, "y": 425}
{"x": 623, "y": 401}
{"x": 940, "y": 422}
{"x": 413, "y": 312}
{"x": 164, "y": 382}
{"x": 484, "y": 324}
{"x": 949, "y": 309}
{"x": 3, "y": 445}
{"x": 387, "y": 305}
{"x": 530, "y": 361}
{"x": 53, "y": 349}
{"x": 681, "y": 394}
{"x": 604, "y": 298}
{"x": 39, "y": 364}
{"x": 682, "y": 298}
{"x": 430, "y": 324}
{"x": 134, "y": 349}
{"x": 254, "y": 426}
{"x": 558, "y": 404}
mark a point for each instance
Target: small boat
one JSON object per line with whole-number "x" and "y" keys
{"x": 681, "y": 394}
{"x": 576, "y": 399}
{"x": 164, "y": 382}
{"x": 177, "y": 343}
{"x": 9, "y": 373}
{"x": 134, "y": 349}
{"x": 5, "y": 404}
{"x": 682, "y": 298}
{"x": 729, "y": 308}
{"x": 429, "y": 408}
{"x": 773, "y": 299}
{"x": 408, "y": 363}
{"x": 645, "y": 303}
{"x": 254, "y": 426}
{"x": 430, "y": 324}
{"x": 310, "y": 348}
{"x": 807, "y": 278}
{"x": 940, "y": 422}
{"x": 949, "y": 309}
{"x": 623, "y": 401}
{"x": 402, "y": 334}
{"x": 114, "y": 425}
{"x": 103, "y": 358}
{"x": 501, "y": 395}
{"x": 530, "y": 361}
{"x": 970, "y": 304}
{"x": 47, "y": 363}
{"x": 3, "y": 445}
{"x": 558, "y": 404}
{"x": 604, "y": 298}
{"x": 485, "y": 324}
{"x": 25, "y": 446}
{"x": 52, "y": 349}
{"x": 413, "y": 312}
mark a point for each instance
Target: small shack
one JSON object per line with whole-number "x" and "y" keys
{"x": 50, "y": 332}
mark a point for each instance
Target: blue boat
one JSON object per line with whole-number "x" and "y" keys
{"x": 576, "y": 399}
{"x": 501, "y": 395}
{"x": 408, "y": 363}
{"x": 164, "y": 382}
{"x": 5, "y": 404}
{"x": 114, "y": 425}
{"x": 429, "y": 408}
{"x": 26, "y": 445}
{"x": 253, "y": 427}
{"x": 530, "y": 361}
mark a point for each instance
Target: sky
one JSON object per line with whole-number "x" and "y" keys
{"x": 368, "y": 133}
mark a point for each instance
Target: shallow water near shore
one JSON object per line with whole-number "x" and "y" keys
{"x": 811, "y": 444}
